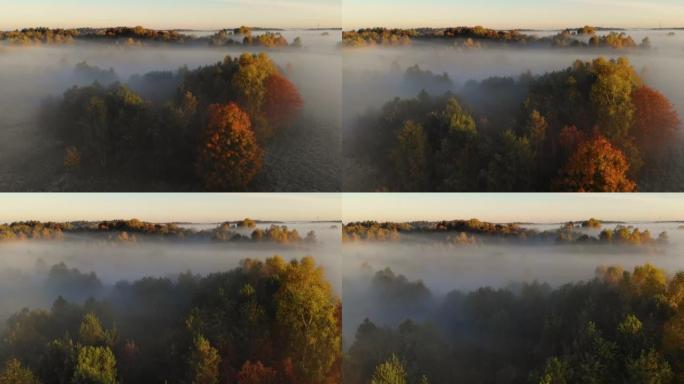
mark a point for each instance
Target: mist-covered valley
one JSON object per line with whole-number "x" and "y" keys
{"x": 30, "y": 265}
{"x": 474, "y": 302}
{"x": 498, "y": 85}
{"x": 131, "y": 301}
{"x": 150, "y": 142}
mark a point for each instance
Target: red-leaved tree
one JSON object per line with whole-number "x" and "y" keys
{"x": 283, "y": 101}
{"x": 656, "y": 122}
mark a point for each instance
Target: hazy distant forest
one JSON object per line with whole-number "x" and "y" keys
{"x": 620, "y": 327}
{"x": 476, "y": 232}
{"x": 596, "y": 126}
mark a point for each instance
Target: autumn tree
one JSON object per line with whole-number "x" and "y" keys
{"x": 283, "y": 101}
{"x": 15, "y": 373}
{"x": 256, "y": 373}
{"x": 596, "y": 166}
{"x": 229, "y": 156}
{"x": 410, "y": 158}
{"x": 611, "y": 96}
{"x": 656, "y": 122}
{"x": 305, "y": 311}
{"x": 95, "y": 365}
{"x": 249, "y": 84}
{"x": 649, "y": 367}
{"x": 204, "y": 362}
{"x": 391, "y": 371}
{"x": 92, "y": 333}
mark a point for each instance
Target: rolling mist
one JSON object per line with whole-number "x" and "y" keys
{"x": 34, "y": 273}
{"x": 373, "y": 76}
{"x": 306, "y": 158}
{"x": 389, "y": 282}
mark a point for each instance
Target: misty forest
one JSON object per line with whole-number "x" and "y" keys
{"x": 128, "y": 301}
{"x": 476, "y": 109}
{"x": 467, "y": 301}
{"x": 134, "y": 109}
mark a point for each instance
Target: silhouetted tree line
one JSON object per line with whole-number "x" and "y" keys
{"x": 134, "y": 229}
{"x": 478, "y": 36}
{"x": 139, "y": 35}
{"x": 264, "y": 322}
{"x": 594, "y": 126}
{"x": 206, "y": 126}
{"x": 243, "y": 36}
{"x": 621, "y": 327}
{"x": 474, "y": 231}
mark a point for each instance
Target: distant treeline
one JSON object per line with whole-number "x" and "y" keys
{"x": 206, "y": 127}
{"x": 264, "y": 322}
{"x": 594, "y": 127}
{"x": 474, "y": 231}
{"x": 134, "y": 230}
{"x": 139, "y": 35}
{"x": 621, "y": 327}
{"x": 478, "y": 37}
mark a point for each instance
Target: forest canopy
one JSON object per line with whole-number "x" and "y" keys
{"x": 593, "y": 127}
{"x": 270, "y": 321}
{"x": 621, "y": 327}
{"x": 207, "y": 127}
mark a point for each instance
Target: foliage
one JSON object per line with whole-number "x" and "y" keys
{"x": 270, "y": 321}
{"x": 390, "y": 372}
{"x": 596, "y": 166}
{"x": 475, "y": 232}
{"x": 95, "y": 365}
{"x": 178, "y": 127}
{"x": 479, "y": 37}
{"x": 204, "y": 362}
{"x": 14, "y": 373}
{"x": 592, "y": 127}
{"x": 230, "y": 156}
{"x": 621, "y": 327}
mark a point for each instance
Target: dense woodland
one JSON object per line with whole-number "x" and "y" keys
{"x": 593, "y": 127}
{"x": 621, "y": 327}
{"x": 474, "y": 232}
{"x": 264, "y": 322}
{"x": 132, "y": 36}
{"x": 479, "y": 37}
{"x": 135, "y": 230}
{"x": 207, "y": 127}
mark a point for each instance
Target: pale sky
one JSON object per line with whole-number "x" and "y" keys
{"x": 170, "y": 14}
{"x": 510, "y": 14}
{"x": 511, "y": 207}
{"x": 216, "y": 207}
{"x": 166, "y": 207}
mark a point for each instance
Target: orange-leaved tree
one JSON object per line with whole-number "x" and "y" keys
{"x": 256, "y": 373}
{"x": 596, "y": 166}
{"x": 229, "y": 156}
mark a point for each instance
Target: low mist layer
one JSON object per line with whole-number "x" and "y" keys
{"x": 517, "y": 117}
{"x": 252, "y": 324}
{"x": 136, "y": 130}
{"x": 465, "y": 300}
